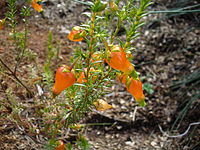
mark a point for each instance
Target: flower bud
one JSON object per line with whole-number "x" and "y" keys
{"x": 113, "y": 6}
{"x": 77, "y": 34}
{"x": 61, "y": 145}
{"x": 37, "y": 5}
{"x": 99, "y": 6}
{"x": 2, "y": 22}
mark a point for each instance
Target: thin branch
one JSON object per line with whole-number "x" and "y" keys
{"x": 134, "y": 113}
{"x": 179, "y": 135}
{"x": 74, "y": 63}
{"x": 14, "y": 75}
{"x": 21, "y": 54}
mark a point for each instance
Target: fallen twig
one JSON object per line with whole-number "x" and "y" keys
{"x": 179, "y": 135}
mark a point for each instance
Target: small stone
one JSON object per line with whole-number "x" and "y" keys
{"x": 129, "y": 143}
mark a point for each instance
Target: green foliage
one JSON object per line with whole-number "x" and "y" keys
{"x": 192, "y": 82}
{"x": 52, "y": 56}
{"x": 183, "y": 7}
{"x": 81, "y": 96}
{"x": 98, "y": 6}
{"x": 101, "y": 32}
{"x": 19, "y": 40}
{"x": 83, "y": 143}
{"x": 148, "y": 87}
{"x": 184, "y": 111}
{"x": 69, "y": 146}
{"x": 48, "y": 75}
{"x": 187, "y": 91}
{"x": 11, "y": 15}
{"x": 51, "y": 145}
{"x": 25, "y": 11}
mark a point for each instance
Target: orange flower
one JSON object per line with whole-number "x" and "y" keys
{"x": 113, "y": 6}
{"x": 64, "y": 79}
{"x": 36, "y": 4}
{"x": 76, "y": 34}
{"x": 61, "y": 145}
{"x": 117, "y": 60}
{"x": 102, "y": 105}
{"x": 2, "y": 22}
{"x": 134, "y": 86}
{"x": 82, "y": 77}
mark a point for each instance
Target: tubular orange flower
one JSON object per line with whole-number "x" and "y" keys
{"x": 36, "y": 4}
{"x": 61, "y": 145}
{"x": 64, "y": 79}
{"x": 117, "y": 60}
{"x": 82, "y": 79}
{"x": 134, "y": 86}
{"x": 76, "y": 34}
{"x": 113, "y": 6}
{"x": 102, "y": 105}
{"x": 135, "y": 89}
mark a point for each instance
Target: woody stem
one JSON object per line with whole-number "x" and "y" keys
{"x": 91, "y": 51}
{"x": 74, "y": 63}
{"x": 14, "y": 75}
